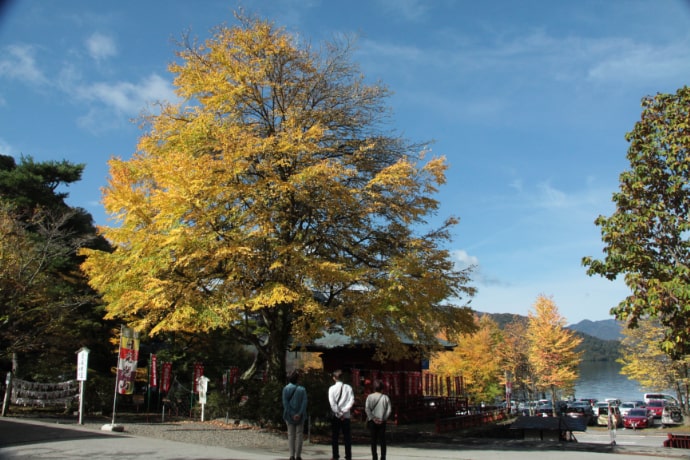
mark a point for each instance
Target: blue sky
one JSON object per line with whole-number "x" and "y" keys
{"x": 529, "y": 102}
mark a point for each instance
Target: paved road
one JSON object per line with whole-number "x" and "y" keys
{"x": 648, "y": 437}
{"x": 27, "y": 439}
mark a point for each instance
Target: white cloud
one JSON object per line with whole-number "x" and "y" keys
{"x": 464, "y": 260}
{"x": 641, "y": 62}
{"x": 551, "y": 197}
{"x": 101, "y": 46}
{"x": 19, "y": 63}
{"x": 129, "y": 98}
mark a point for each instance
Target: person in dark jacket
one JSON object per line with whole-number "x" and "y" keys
{"x": 295, "y": 413}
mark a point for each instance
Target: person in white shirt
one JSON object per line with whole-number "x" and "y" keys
{"x": 341, "y": 398}
{"x": 378, "y": 409}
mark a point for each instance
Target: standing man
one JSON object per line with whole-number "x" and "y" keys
{"x": 378, "y": 409}
{"x": 341, "y": 398}
{"x": 295, "y": 413}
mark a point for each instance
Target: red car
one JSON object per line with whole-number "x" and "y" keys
{"x": 638, "y": 418}
{"x": 656, "y": 406}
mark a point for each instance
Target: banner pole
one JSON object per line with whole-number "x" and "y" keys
{"x": 117, "y": 376}
{"x": 148, "y": 385}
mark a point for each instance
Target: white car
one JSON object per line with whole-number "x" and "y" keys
{"x": 627, "y": 405}
{"x": 596, "y": 407}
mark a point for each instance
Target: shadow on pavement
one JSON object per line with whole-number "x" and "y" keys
{"x": 14, "y": 433}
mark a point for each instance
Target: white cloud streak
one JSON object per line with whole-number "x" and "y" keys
{"x": 128, "y": 98}
{"x": 101, "y": 47}
{"x": 19, "y": 63}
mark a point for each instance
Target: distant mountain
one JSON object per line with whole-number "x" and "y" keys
{"x": 600, "y": 339}
{"x": 607, "y": 329}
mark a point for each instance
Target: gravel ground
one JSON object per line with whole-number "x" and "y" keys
{"x": 212, "y": 433}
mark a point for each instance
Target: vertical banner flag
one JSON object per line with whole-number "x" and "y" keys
{"x": 387, "y": 377}
{"x": 127, "y": 362}
{"x": 166, "y": 373}
{"x": 153, "y": 375}
{"x": 198, "y": 372}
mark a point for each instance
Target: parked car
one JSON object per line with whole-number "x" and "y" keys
{"x": 527, "y": 407}
{"x": 590, "y": 401}
{"x": 545, "y": 410}
{"x": 627, "y": 405}
{"x": 671, "y": 415}
{"x": 656, "y": 406}
{"x": 603, "y": 417}
{"x": 638, "y": 418}
{"x": 580, "y": 409}
{"x": 613, "y": 401}
{"x": 596, "y": 407}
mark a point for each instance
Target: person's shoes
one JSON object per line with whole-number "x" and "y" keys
{"x": 292, "y": 458}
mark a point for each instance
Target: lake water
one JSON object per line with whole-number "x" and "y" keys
{"x": 603, "y": 380}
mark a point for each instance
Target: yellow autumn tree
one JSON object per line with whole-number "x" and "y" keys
{"x": 476, "y": 359}
{"x": 274, "y": 202}
{"x": 553, "y": 351}
{"x": 645, "y": 361}
{"x": 514, "y": 354}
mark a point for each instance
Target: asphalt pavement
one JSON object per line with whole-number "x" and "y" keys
{"x": 31, "y": 439}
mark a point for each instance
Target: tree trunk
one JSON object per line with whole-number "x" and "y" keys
{"x": 255, "y": 366}
{"x": 272, "y": 356}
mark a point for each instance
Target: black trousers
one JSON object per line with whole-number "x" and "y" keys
{"x": 378, "y": 436}
{"x": 337, "y": 426}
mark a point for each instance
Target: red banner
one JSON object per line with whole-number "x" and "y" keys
{"x": 166, "y": 375}
{"x": 127, "y": 362}
{"x": 387, "y": 381}
{"x": 153, "y": 373}
{"x": 198, "y": 372}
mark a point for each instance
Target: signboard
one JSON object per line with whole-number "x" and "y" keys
{"x": 82, "y": 363}
{"x": 202, "y": 388}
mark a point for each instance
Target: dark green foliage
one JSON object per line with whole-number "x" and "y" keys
{"x": 595, "y": 349}
{"x": 32, "y": 184}
{"x": 261, "y": 402}
{"x": 47, "y": 311}
{"x": 316, "y": 383}
{"x": 646, "y": 239}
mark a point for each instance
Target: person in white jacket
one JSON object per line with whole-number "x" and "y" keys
{"x": 378, "y": 409}
{"x": 341, "y": 398}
